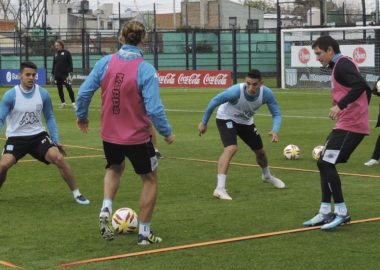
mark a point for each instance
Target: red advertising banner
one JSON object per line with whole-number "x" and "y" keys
{"x": 195, "y": 78}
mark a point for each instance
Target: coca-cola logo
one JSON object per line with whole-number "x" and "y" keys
{"x": 359, "y": 55}
{"x": 304, "y": 55}
{"x": 218, "y": 79}
{"x": 191, "y": 79}
{"x": 169, "y": 78}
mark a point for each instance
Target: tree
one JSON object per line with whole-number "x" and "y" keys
{"x": 7, "y": 10}
{"x": 260, "y": 5}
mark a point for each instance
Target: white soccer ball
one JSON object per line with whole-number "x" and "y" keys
{"x": 378, "y": 87}
{"x": 125, "y": 220}
{"x": 317, "y": 151}
{"x": 292, "y": 152}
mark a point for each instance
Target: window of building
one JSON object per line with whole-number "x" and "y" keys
{"x": 253, "y": 25}
{"x": 232, "y": 22}
{"x": 109, "y": 25}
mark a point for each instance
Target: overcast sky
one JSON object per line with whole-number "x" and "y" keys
{"x": 166, "y": 6}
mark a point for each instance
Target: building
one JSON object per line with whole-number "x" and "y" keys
{"x": 220, "y": 14}
{"x": 270, "y": 21}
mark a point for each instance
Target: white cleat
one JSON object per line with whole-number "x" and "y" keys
{"x": 371, "y": 162}
{"x": 221, "y": 194}
{"x": 274, "y": 181}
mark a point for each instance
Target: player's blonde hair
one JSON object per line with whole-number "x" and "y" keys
{"x": 133, "y": 33}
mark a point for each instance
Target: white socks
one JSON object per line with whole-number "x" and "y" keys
{"x": 340, "y": 208}
{"x": 325, "y": 208}
{"x": 76, "y": 193}
{"x": 107, "y": 203}
{"x": 266, "y": 172}
{"x": 144, "y": 228}
{"x": 221, "y": 184}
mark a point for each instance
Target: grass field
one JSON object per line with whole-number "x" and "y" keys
{"x": 42, "y": 227}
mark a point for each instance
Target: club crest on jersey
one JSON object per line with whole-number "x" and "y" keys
{"x": 29, "y": 118}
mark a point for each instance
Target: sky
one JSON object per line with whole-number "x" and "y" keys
{"x": 166, "y": 6}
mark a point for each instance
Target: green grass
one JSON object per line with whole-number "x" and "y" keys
{"x": 41, "y": 226}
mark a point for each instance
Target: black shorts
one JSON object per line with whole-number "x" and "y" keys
{"x": 142, "y": 156}
{"x": 229, "y": 130}
{"x": 35, "y": 145}
{"x": 339, "y": 145}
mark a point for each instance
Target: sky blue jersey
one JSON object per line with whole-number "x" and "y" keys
{"x": 8, "y": 102}
{"x": 232, "y": 95}
{"x": 147, "y": 82}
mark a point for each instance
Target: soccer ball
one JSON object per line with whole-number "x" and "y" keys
{"x": 124, "y": 220}
{"x": 317, "y": 152}
{"x": 292, "y": 152}
{"x": 378, "y": 87}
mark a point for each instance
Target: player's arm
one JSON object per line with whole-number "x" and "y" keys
{"x": 348, "y": 75}
{"x": 148, "y": 84}
{"x": 274, "y": 108}
{"x": 231, "y": 94}
{"x": 69, "y": 62}
{"x": 49, "y": 115}
{"x": 6, "y": 105}
{"x": 87, "y": 90}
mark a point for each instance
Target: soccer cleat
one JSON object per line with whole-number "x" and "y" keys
{"x": 74, "y": 106}
{"x": 338, "y": 220}
{"x": 62, "y": 105}
{"x": 82, "y": 200}
{"x": 104, "y": 226}
{"x": 222, "y": 194}
{"x": 147, "y": 240}
{"x": 274, "y": 181}
{"x": 371, "y": 162}
{"x": 319, "y": 219}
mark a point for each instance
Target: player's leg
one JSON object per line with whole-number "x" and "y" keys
{"x": 15, "y": 148}
{"x": 145, "y": 163}
{"x": 115, "y": 156}
{"x": 250, "y": 135}
{"x": 227, "y": 132}
{"x": 338, "y": 150}
{"x": 59, "y": 81}
{"x": 6, "y": 162}
{"x": 375, "y": 155}
{"x": 53, "y": 155}
{"x": 71, "y": 92}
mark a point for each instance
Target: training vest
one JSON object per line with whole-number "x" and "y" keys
{"x": 25, "y": 117}
{"x": 242, "y": 112}
{"x": 355, "y": 116}
{"x": 123, "y": 116}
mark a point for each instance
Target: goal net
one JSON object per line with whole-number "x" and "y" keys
{"x": 300, "y": 69}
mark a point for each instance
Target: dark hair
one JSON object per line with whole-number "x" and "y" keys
{"x": 27, "y": 64}
{"x": 133, "y": 32}
{"x": 60, "y": 43}
{"x": 254, "y": 74}
{"x": 324, "y": 42}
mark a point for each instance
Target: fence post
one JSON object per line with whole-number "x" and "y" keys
{"x": 187, "y": 48}
{"x": 249, "y": 49}
{"x": 194, "y": 49}
{"x": 219, "y": 51}
{"x": 234, "y": 60}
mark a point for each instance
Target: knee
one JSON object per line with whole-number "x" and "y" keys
{"x": 230, "y": 150}
{"x": 324, "y": 166}
{"x": 260, "y": 154}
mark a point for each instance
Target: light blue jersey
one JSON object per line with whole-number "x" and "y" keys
{"x": 21, "y": 110}
{"x": 237, "y": 105}
{"x": 147, "y": 82}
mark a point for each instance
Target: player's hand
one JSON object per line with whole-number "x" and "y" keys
{"x": 170, "y": 139}
{"x": 52, "y": 79}
{"x": 202, "y": 128}
{"x": 334, "y": 111}
{"x": 69, "y": 78}
{"x": 274, "y": 136}
{"x": 82, "y": 124}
